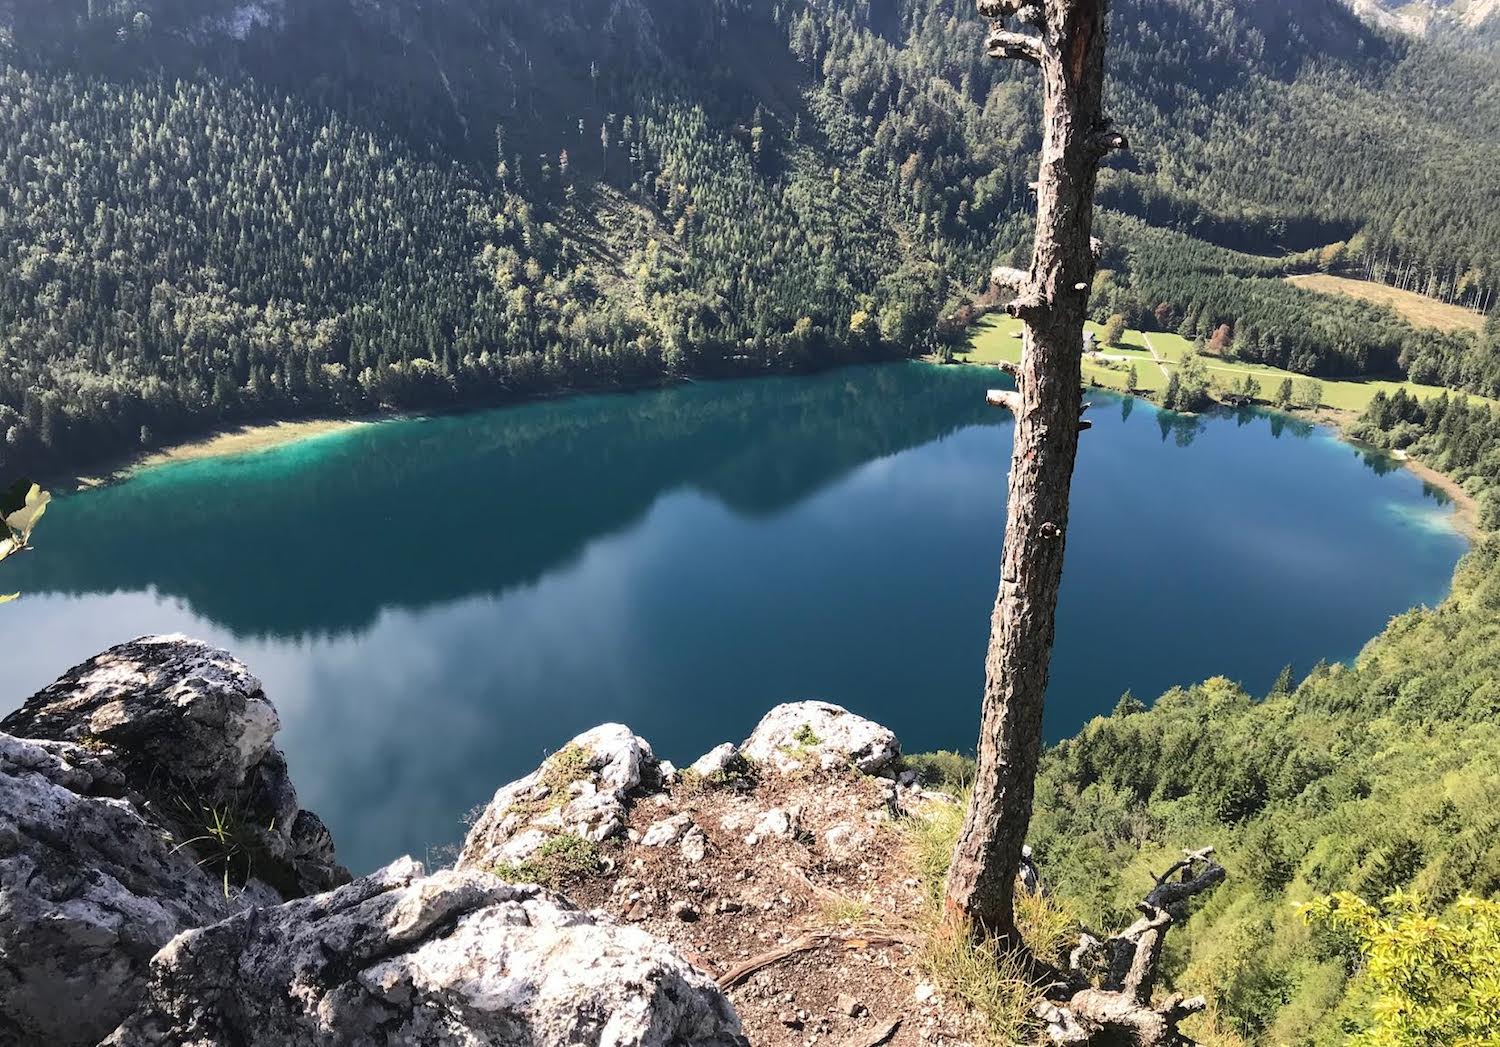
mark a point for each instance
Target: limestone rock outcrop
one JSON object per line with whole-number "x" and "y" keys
{"x": 582, "y": 790}
{"x": 458, "y": 958}
{"x": 720, "y": 760}
{"x": 89, "y": 890}
{"x": 140, "y": 796}
{"x": 800, "y": 735}
{"x": 190, "y": 729}
{"x": 159, "y": 883}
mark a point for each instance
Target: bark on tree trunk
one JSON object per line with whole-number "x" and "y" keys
{"x": 1068, "y": 48}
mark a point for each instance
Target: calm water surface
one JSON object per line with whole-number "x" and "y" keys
{"x": 434, "y": 605}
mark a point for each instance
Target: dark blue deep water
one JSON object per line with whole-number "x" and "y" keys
{"x": 434, "y": 604}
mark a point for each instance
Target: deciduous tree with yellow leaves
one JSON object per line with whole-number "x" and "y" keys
{"x": 1436, "y": 978}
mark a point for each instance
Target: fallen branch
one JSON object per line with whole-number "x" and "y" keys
{"x": 807, "y": 943}
{"x": 1119, "y": 1009}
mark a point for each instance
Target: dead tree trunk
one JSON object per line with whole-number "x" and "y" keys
{"x": 1118, "y": 1010}
{"x": 1067, "y": 45}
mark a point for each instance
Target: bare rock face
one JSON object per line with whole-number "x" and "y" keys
{"x": 143, "y": 798}
{"x": 720, "y": 760}
{"x": 805, "y": 735}
{"x": 89, "y": 890}
{"x": 581, "y": 790}
{"x": 189, "y": 729}
{"x": 458, "y": 958}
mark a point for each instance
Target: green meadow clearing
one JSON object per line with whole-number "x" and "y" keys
{"x": 997, "y": 337}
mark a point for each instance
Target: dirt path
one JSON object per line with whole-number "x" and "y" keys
{"x": 1160, "y": 362}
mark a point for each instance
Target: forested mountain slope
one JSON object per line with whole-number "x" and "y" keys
{"x": 214, "y": 211}
{"x": 1297, "y": 792}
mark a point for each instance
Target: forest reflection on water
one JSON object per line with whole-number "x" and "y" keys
{"x": 435, "y": 603}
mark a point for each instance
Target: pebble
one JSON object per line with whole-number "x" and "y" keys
{"x": 849, "y": 1005}
{"x": 924, "y": 992}
{"x": 694, "y": 846}
{"x": 685, "y": 912}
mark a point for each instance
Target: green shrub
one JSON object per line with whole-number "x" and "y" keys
{"x": 565, "y": 858}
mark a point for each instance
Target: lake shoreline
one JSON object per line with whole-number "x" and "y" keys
{"x": 1465, "y": 518}
{"x": 256, "y": 437}
{"x": 267, "y": 433}
{"x": 247, "y": 438}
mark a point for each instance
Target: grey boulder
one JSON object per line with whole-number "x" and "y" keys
{"x": 459, "y": 958}
{"x": 190, "y": 730}
{"x": 89, "y": 891}
{"x": 582, "y": 790}
{"x": 800, "y": 736}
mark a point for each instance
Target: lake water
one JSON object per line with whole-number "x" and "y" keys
{"x": 435, "y": 604}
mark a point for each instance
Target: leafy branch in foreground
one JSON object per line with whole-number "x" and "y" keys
{"x": 1436, "y": 979}
{"x": 21, "y": 506}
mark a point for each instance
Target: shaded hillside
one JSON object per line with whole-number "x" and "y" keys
{"x": 212, "y": 212}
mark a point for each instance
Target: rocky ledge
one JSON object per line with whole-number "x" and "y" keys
{"x": 403, "y": 958}
{"x": 779, "y": 865}
{"x": 160, "y": 885}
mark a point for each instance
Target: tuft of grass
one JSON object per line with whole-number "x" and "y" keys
{"x": 1049, "y": 930}
{"x": 560, "y": 770}
{"x": 565, "y": 858}
{"x": 930, "y": 837}
{"x": 564, "y": 767}
{"x": 989, "y": 979}
{"x": 844, "y": 909}
{"x": 742, "y": 774}
{"x": 223, "y": 840}
{"x": 805, "y": 740}
{"x": 806, "y": 737}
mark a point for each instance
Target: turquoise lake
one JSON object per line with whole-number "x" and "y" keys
{"x": 435, "y": 604}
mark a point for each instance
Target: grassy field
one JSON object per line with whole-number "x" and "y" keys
{"x": 1415, "y": 308}
{"x": 996, "y": 338}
